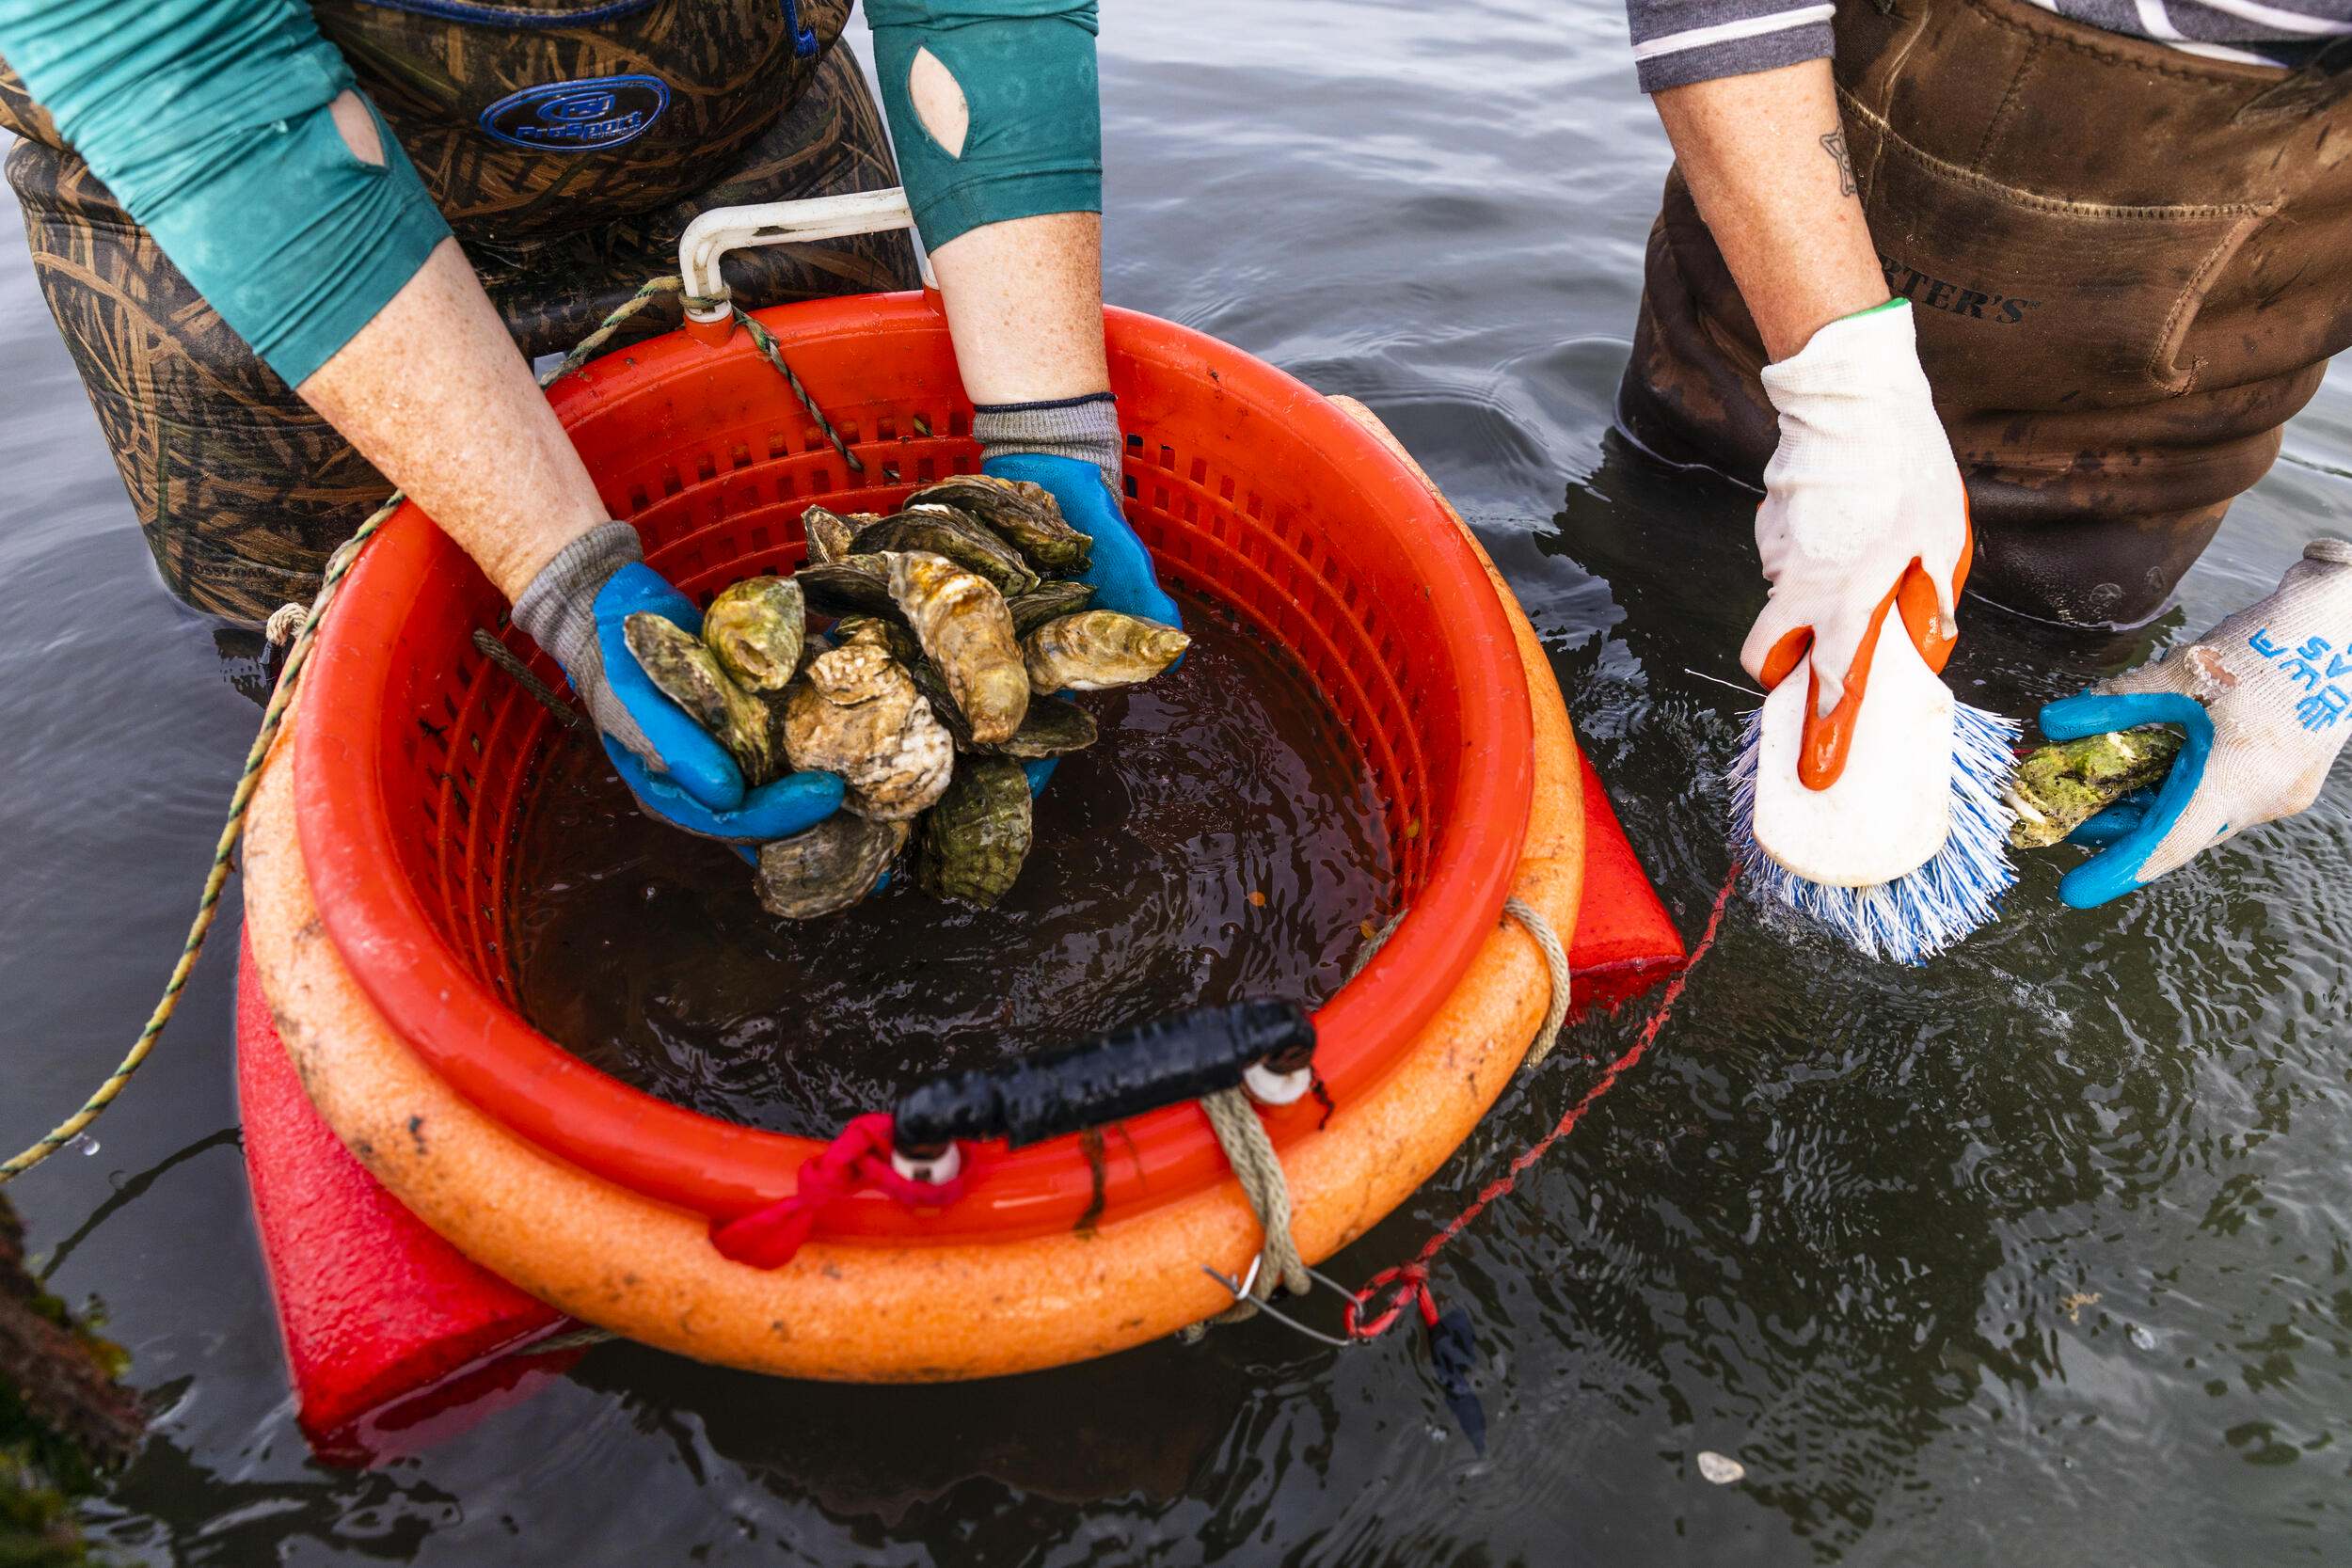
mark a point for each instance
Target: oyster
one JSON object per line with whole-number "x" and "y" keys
{"x": 887, "y": 633}
{"x": 2059, "y": 788}
{"x": 853, "y": 585}
{"x": 755, "y": 627}
{"x": 855, "y": 712}
{"x": 945, "y": 531}
{"x": 827, "y": 868}
{"x": 933, "y": 686}
{"x": 828, "y": 532}
{"x": 684, "y": 670}
{"x": 1047, "y": 601}
{"x": 1052, "y": 728}
{"x": 977, "y": 836}
{"x": 1099, "y": 648}
{"x": 1025, "y": 514}
{"x": 966, "y": 630}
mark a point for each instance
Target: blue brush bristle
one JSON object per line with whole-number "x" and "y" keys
{"x": 1912, "y": 918}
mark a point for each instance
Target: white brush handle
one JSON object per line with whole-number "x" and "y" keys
{"x": 1891, "y": 809}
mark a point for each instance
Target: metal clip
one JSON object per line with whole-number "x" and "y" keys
{"x": 1242, "y": 1288}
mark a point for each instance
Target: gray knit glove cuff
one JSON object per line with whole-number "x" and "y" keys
{"x": 559, "y": 609}
{"x": 1086, "y": 428}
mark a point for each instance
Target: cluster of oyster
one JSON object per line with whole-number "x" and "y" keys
{"x": 955, "y": 624}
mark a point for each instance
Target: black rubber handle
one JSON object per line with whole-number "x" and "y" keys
{"x": 1182, "y": 1056}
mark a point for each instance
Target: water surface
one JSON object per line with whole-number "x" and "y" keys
{"x": 2042, "y": 1255}
{"x": 1220, "y": 841}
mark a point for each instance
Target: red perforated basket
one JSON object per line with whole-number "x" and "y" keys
{"x": 414, "y": 760}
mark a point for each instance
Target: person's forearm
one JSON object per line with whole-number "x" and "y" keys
{"x": 435, "y": 393}
{"x": 1766, "y": 160}
{"x": 1025, "y": 307}
{"x": 993, "y": 110}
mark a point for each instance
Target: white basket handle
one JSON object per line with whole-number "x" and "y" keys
{"x": 713, "y": 233}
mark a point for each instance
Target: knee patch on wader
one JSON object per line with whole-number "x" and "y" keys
{"x": 1028, "y": 138}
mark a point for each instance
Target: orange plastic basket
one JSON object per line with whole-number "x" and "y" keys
{"x": 414, "y": 762}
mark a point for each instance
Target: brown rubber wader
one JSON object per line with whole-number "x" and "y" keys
{"x": 2129, "y": 266}
{"x": 242, "y": 490}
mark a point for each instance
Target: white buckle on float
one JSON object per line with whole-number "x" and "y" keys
{"x": 932, "y": 1172}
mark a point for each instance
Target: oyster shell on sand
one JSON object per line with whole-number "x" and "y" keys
{"x": 1097, "y": 649}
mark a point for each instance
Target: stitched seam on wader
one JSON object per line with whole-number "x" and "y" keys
{"x": 2216, "y": 71}
{"x": 2052, "y": 203}
{"x": 1999, "y": 122}
{"x": 2169, "y": 343}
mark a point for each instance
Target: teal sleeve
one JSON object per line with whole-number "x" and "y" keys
{"x": 208, "y": 120}
{"x": 1026, "y": 67}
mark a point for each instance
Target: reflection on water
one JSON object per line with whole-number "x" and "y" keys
{"x": 2035, "y": 1256}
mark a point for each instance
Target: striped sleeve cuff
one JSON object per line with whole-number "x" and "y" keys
{"x": 1676, "y": 44}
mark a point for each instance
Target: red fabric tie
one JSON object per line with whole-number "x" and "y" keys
{"x": 858, "y": 1159}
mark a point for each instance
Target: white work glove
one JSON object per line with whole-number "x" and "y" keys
{"x": 1862, "y": 485}
{"x": 2265, "y": 700}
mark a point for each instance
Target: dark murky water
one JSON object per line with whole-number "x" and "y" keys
{"x": 1220, "y": 841}
{"x": 1845, "y": 1224}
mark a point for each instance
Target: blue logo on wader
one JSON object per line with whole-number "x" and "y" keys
{"x": 588, "y": 115}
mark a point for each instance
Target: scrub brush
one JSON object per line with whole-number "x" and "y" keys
{"x": 1905, "y": 851}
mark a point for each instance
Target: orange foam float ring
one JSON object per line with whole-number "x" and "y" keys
{"x": 865, "y": 1307}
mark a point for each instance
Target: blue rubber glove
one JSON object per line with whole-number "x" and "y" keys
{"x": 2128, "y": 831}
{"x": 2264, "y": 703}
{"x": 577, "y": 607}
{"x": 1121, "y": 571}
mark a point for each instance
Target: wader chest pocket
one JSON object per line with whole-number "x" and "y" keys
{"x": 2021, "y": 293}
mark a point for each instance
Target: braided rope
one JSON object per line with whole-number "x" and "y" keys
{"x": 539, "y": 692}
{"x": 1242, "y": 1136}
{"x": 765, "y": 341}
{"x": 1259, "y": 1168}
{"x": 274, "y": 718}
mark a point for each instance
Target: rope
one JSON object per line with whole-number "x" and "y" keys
{"x": 1556, "y": 965}
{"x": 764, "y": 341}
{"x": 498, "y": 653}
{"x": 586, "y": 348}
{"x": 1251, "y": 1154}
{"x": 1407, "y": 1283}
{"x": 1234, "y": 1119}
{"x": 857, "y": 1159}
{"x": 274, "y": 718}
{"x": 284, "y": 622}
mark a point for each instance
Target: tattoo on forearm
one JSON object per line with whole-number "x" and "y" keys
{"x": 1834, "y": 143}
